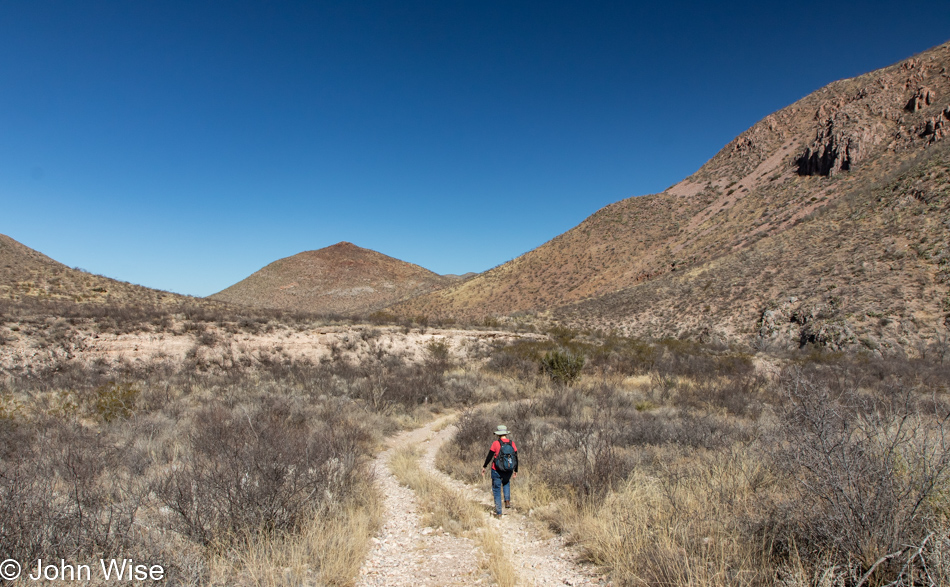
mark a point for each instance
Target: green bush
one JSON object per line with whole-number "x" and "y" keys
{"x": 115, "y": 400}
{"x": 438, "y": 355}
{"x": 562, "y": 366}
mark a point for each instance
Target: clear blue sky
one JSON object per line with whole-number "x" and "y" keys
{"x": 184, "y": 145}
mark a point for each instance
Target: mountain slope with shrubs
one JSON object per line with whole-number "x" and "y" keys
{"x": 339, "y": 279}
{"x": 28, "y": 276}
{"x": 845, "y": 189}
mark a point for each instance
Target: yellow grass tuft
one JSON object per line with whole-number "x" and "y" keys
{"x": 496, "y": 558}
{"x": 327, "y": 551}
{"x": 444, "y": 506}
{"x": 672, "y": 530}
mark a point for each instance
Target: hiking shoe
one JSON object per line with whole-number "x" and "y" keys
{"x": 507, "y": 503}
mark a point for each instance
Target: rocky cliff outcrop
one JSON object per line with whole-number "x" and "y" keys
{"x": 924, "y": 97}
{"x": 838, "y": 146}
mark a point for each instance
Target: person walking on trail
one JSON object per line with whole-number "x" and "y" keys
{"x": 503, "y": 456}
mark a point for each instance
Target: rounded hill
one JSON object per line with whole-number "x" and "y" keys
{"x": 339, "y": 279}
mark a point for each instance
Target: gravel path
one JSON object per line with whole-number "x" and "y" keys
{"x": 406, "y": 553}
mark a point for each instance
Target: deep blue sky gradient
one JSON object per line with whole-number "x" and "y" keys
{"x": 184, "y": 145}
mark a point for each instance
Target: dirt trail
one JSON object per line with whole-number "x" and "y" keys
{"x": 408, "y": 553}
{"x": 405, "y": 551}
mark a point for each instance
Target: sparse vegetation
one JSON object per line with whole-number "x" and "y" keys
{"x": 780, "y": 417}
{"x": 667, "y": 461}
{"x": 221, "y": 463}
{"x": 180, "y": 473}
{"x": 692, "y": 468}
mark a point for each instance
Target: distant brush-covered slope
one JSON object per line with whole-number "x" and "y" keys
{"x": 827, "y": 220}
{"x": 28, "y": 275}
{"x": 340, "y": 279}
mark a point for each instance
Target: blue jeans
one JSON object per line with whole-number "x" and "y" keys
{"x": 497, "y": 484}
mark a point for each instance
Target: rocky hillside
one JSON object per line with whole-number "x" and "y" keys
{"x": 827, "y": 220}
{"x": 29, "y": 276}
{"x": 340, "y": 279}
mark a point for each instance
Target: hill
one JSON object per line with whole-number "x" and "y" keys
{"x": 340, "y": 279}
{"x": 27, "y": 275}
{"x": 826, "y": 220}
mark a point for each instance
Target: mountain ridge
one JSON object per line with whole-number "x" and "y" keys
{"x": 827, "y": 222}
{"x": 835, "y": 145}
{"x": 27, "y": 274}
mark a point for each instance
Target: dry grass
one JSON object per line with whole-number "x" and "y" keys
{"x": 668, "y": 462}
{"x": 671, "y": 531}
{"x": 677, "y": 521}
{"x": 254, "y": 477}
{"x": 679, "y": 468}
{"x": 497, "y": 562}
{"x": 444, "y": 507}
{"x": 328, "y": 550}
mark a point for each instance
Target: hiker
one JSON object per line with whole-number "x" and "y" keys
{"x": 504, "y": 466}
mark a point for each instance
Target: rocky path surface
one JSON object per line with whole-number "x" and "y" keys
{"x": 408, "y": 553}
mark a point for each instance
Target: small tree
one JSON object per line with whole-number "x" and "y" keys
{"x": 438, "y": 355}
{"x": 562, "y": 366}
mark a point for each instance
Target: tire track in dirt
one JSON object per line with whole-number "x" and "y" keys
{"x": 405, "y": 552}
{"x": 540, "y": 558}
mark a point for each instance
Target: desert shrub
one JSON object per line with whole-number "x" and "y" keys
{"x": 422, "y": 321}
{"x": 562, "y": 403}
{"x": 249, "y": 325}
{"x": 458, "y": 391}
{"x": 624, "y": 356}
{"x": 380, "y": 317}
{"x": 686, "y": 429}
{"x": 115, "y": 400}
{"x": 63, "y": 494}
{"x": 873, "y": 470}
{"x": 505, "y": 362}
{"x": 737, "y": 395}
{"x": 207, "y": 338}
{"x": 390, "y": 387}
{"x": 593, "y": 462}
{"x": 265, "y": 470}
{"x": 563, "y": 367}
{"x": 473, "y": 434}
{"x": 437, "y": 355}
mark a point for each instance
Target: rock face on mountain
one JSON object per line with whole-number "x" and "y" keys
{"x": 340, "y": 279}
{"x": 839, "y": 202}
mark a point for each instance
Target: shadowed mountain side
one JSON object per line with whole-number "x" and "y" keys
{"x": 340, "y": 279}
{"x": 768, "y": 192}
{"x": 26, "y": 274}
